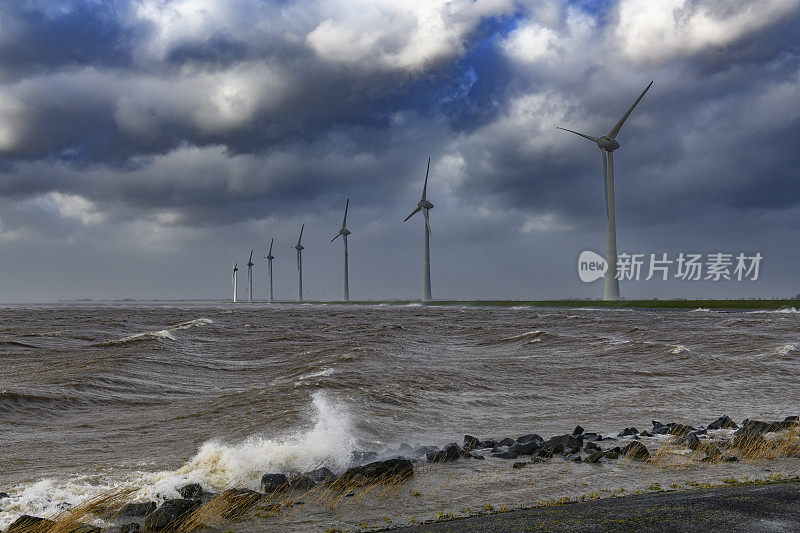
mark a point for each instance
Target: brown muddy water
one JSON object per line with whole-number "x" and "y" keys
{"x": 154, "y": 396}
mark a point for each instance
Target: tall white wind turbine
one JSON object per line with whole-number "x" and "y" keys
{"x": 607, "y": 144}
{"x": 424, "y": 205}
{"x": 299, "y": 248}
{"x": 250, "y": 278}
{"x": 344, "y": 232}
{"x": 269, "y": 257}
{"x": 235, "y": 270}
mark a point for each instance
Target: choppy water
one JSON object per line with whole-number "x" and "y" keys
{"x": 96, "y": 396}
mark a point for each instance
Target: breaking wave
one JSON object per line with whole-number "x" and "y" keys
{"x": 160, "y": 334}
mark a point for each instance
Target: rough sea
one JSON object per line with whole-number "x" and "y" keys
{"x": 152, "y": 396}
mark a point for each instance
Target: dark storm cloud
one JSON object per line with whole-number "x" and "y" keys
{"x": 199, "y": 115}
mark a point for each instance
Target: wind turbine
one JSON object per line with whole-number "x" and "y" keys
{"x": 424, "y": 205}
{"x": 269, "y": 257}
{"x": 250, "y": 278}
{"x": 235, "y": 270}
{"x": 344, "y": 232}
{"x": 299, "y": 248}
{"x": 607, "y": 144}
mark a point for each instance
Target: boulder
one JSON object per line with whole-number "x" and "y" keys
{"x": 470, "y": 442}
{"x": 3, "y": 495}
{"x": 563, "y": 444}
{"x": 680, "y": 429}
{"x": 636, "y": 451}
{"x": 645, "y": 434}
{"x": 691, "y": 441}
{"x": 488, "y": 443}
{"x": 529, "y": 448}
{"x": 594, "y": 457}
{"x": 506, "y": 455}
{"x": 452, "y": 452}
{"x": 437, "y": 456}
{"x": 273, "y": 482}
{"x": 170, "y": 515}
{"x": 530, "y": 437}
{"x": 594, "y": 437}
{"x": 27, "y": 523}
{"x": 301, "y": 483}
{"x": 591, "y": 446}
{"x": 628, "y": 432}
{"x": 506, "y": 442}
{"x": 577, "y": 431}
{"x": 398, "y": 468}
{"x": 138, "y": 509}
{"x": 191, "y": 492}
{"x": 321, "y": 475}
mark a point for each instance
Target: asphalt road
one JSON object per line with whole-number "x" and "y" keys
{"x": 750, "y": 508}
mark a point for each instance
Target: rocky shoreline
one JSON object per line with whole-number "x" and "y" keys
{"x": 282, "y": 489}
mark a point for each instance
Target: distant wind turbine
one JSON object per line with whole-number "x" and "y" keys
{"x": 424, "y": 205}
{"x": 607, "y": 144}
{"x": 250, "y": 278}
{"x": 344, "y": 232}
{"x": 299, "y": 248}
{"x": 269, "y": 257}
{"x": 235, "y": 270}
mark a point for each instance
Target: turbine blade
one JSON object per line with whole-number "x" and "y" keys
{"x": 251, "y": 257}
{"x": 301, "y": 234}
{"x": 344, "y": 220}
{"x": 576, "y": 133}
{"x": 270, "y": 246}
{"x": 615, "y": 130}
{"x": 425, "y": 187}
{"x": 414, "y": 212}
{"x": 337, "y": 236}
{"x": 605, "y": 178}
{"x": 427, "y": 220}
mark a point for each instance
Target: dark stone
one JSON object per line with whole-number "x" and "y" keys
{"x": 611, "y": 454}
{"x": 645, "y": 434}
{"x": 138, "y": 509}
{"x": 425, "y": 450}
{"x": 437, "y": 456}
{"x": 506, "y": 455}
{"x": 691, "y": 441}
{"x": 529, "y": 448}
{"x": 522, "y": 464}
{"x": 191, "y": 492}
{"x": 359, "y": 457}
{"x": 301, "y": 483}
{"x": 577, "y": 431}
{"x": 476, "y": 456}
{"x": 680, "y": 429}
{"x": 723, "y": 422}
{"x": 594, "y": 457}
{"x": 506, "y": 442}
{"x": 488, "y": 443}
{"x": 659, "y": 428}
{"x": 3, "y": 495}
{"x": 452, "y": 452}
{"x": 594, "y": 437}
{"x": 563, "y": 443}
{"x": 397, "y": 468}
{"x": 547, "y": 454}
{"x": 470, "y": 442}
{"x": 321, "y": 475}
{"x": 29, "y": 523}
{"x": 133, "y": 527}
{"x": 170, "y": 515}
{"x": 273, "y": 482}
{"x": 627, "y": 432}
{"x": 590, "y": 446}
{"x": 530, "y": 437}
{"x": 636, "y": 451}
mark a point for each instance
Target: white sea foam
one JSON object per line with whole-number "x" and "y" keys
{"x": 678, "y": 348}
{"x": 786, "y": 311}
{"x": 535, "y": 334}
{"x": 787, "y": 348}
{"x": 165, "y": 333}
{"x": 701, "y": 310}
{"x": 216, "y": 466}
{"x": 321, "y": 373}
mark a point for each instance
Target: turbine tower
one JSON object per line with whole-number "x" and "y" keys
{"x": 235, "y": 270}
{"x": 250, "y": 278}
{"x": 299, "y": 248}
{"x": 607, "y": 144}
{"x": 344, "y": 232}
{"x": 424, "y": 205}
{"x": 269, "y": 257}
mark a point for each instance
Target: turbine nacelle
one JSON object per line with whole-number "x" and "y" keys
{"x": 609, "y": 145}
{"x": 298, "y": 247}
{"x": 345, "y": 232}
{"x": 425, "y": 204}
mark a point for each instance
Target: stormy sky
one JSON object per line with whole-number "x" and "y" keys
{"x": 146, "y": 145}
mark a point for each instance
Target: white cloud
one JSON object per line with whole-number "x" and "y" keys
{"x": 73, "y": 206}
{"x": 544, "y": 223}
{"x": 651, "y": 32}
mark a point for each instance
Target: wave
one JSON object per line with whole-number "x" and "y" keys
{"x": 701, "y": 310}
{"x": 522, "y": 336}
{"x": 785, "y": 311}
{"x": 160, "y": 334}
{"x": 17, "y": 344}
{"x": 787, "y": 348}
{"x": 678, "y": 348}
{"x": 321, "y": 373}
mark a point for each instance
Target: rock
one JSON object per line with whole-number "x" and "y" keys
{"x": 476, "y": 456}
{"x": 594, "y": 437}
{"x": 133, "y": 527}
{"x": 636, "y": 451}
{"x": 680, "y": 429}
{"x": 577, "y": 431}
{"x": 563, "y": 444}
{"x": 191, "y": 492}
{"x": 530, "y": 437}
{"x": 437, "y": 456}
{"x": 670, "y": 429}
{"x": 506, "y": 442}
{"x": 627, "y": 432}
{"x": 645, "y": 434}
{"x": 321, "y": 475}
{"x": 422, "y": 451}
{"x": 138, "y": 509}
{"x": 301, "y": 483}
{"x": 470, "y": 442}
{"x": 359, "y": 457}
{"x": 577, "y": 459}
{"x": 170, "y": 515}
{"x": 692, "y": 442}
{"x": 3, "y": 495}
{"x": 612, "y": 454}
{"x": 27, "y": 523}
{"x": 273, "y": 482}
{"x": 591, "y": 446}
{"x": 594, "y": 457}
{"x": 488, "y": 443}
{"x": 529, "y": 448}
{"x": 405, "y": 449}
{"x": 450, "y": 453}
{"x": 723, "y": 422}
{"x": 522, "y": 464}
{"x": 506, "y": 455}
{"x": 397, "y": 468}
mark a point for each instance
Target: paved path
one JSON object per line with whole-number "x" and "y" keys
{"x": 747, "y": 509}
